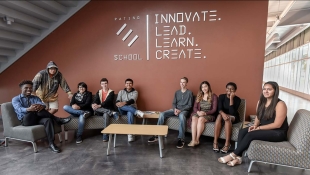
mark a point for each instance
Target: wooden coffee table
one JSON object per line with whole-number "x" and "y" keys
{"x": 159, "y": 130}
{"x": 149, "y": 114}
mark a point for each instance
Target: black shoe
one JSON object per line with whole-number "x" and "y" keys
{"x": 62, "y": 121}
{"x": 153, "y": 139}
{"x": 54, "y": 148}
{"x": 180, "y": 143}
{"x": 86, "y": 114}
{"x": 78, "y": 140}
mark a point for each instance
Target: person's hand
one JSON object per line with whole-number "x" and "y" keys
{"x": 95, "y": 106}
{"x": 253, "y": 128}
{"x": 120, "y": 104}
{"x": 224, "y": 116}
{"x": 176, "y": 111}
{"x": 201, "y": 113}
{"x": 232, "y": 95}
{"x": 70, "y": 96}
{"x": 32, "y": 108}
{"x": 39, "y": 107}
{"x": 75, "y": 106}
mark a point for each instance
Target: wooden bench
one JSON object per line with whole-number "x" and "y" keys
{"x": 160, "y": 130}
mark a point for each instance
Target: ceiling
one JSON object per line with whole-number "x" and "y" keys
{"x": 23, "y": 24}
{"x": 294, "y": 20}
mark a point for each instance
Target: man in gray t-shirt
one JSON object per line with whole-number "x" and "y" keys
{"x": 181, "y": 106}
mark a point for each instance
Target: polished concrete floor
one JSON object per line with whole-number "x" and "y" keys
{"x": 138, "y": 158}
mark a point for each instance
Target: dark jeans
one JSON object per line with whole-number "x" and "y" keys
{"x": 41, "y": 118}
{"x": 245, "y": 138}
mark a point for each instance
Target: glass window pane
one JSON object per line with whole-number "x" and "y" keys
{"x": 305, "y": 49}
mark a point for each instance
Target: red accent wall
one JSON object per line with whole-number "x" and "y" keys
{"x": 84, "y": 48}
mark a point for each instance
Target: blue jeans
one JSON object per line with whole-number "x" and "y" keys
{"x": 77, "y": 113}
{"x": 182, "y": 118}
{"x": 130, "y": 111}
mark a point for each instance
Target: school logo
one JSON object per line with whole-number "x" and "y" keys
{"x": 173, "y": 38}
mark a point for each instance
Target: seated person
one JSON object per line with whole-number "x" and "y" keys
{"x": 204, "y": 109}
{"x": 181, "y": 106}
{"x": 127, "y": 104}
{"x": 104, "y": 104}
{"x": 228, "y": 105}
{"x": 80, "y": 106}
{"x": 270, "y": 124}
{"x": 31, "y": 111}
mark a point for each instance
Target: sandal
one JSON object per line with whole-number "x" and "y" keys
{"x": 216, "y": 147}
{"x": 192, "y": 144}
{"x": 222, "y": 160}
{"x": 234, "y": 162}
{"x": 226, "y": 150}
{"x": 197, "y": 143}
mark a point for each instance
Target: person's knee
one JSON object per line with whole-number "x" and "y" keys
{"x": 201, "y": 120}
{"x": 53, "y": 111}
{"x": 66, "y": 107}
{"x": 194, "y": 119}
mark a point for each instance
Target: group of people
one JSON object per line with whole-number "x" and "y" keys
{"x": 39, "y": 108}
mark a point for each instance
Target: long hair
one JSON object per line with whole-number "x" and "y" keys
{"x": 270, "y": 110}
{"x": 200, "y": 93}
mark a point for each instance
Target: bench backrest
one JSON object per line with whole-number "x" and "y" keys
{"x": 242, "y": 109}
{"x": 9, "y": 117}
{"x": 299, "y": 130}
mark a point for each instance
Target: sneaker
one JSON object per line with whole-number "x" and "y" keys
{"x": 2, "y": 141}
{"x": 131, "y": 138}
{"x": 180, "y": 143}
{"x": 105, "y": 137}
{"x": 153, "y": 139}
{"x": 140, "y": 113}
{"x": 116, "y": 115}
{"x": 86, "y": 114}
{"x": 79, "y": 140}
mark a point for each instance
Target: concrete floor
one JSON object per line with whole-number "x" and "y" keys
{"x": 139, "y": 157}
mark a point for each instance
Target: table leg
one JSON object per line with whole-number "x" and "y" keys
{"x": 108, "y": 150}
{"x": 160, "y": 146}
{"x": 114, "y": 140}
{"x": 143, "y": 121}
{"x": 162, "y": 142}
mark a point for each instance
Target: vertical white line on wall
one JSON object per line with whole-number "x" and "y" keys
{"x": 147, "y": 38}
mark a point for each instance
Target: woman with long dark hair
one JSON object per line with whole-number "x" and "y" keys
{"x": 204, "y": 108}
{"x": 80, "y": 106}
{"x": 270, "y": 124}
{"x": 228, "y": 105}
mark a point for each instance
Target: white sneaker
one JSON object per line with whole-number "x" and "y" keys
{"x": 131, "y": 138}
{"x": 140, "y": 113}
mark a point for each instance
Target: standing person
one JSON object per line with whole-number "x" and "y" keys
{"x": 80, "y": 106}
{"x": 31, "y": 111}
{"x": 181, "y": 106}
{"x": 104, "y": 104}
{"x": 228, "y": 105}
{"x": 46, "y": 83}
{"x": 204, "y": 110}
{"x": 270, "y": 124}
{"x": 127, "y": 104}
